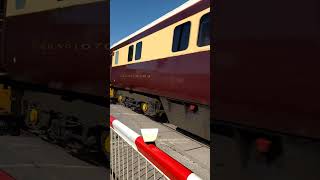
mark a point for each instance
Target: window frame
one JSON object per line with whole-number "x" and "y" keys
{"x": 116, "y": 58}
{"x": 199, "y": 30}
{"x": 132, "y": 47}
{"x": 182, "y": 29}
{"x": 135, "y": 55}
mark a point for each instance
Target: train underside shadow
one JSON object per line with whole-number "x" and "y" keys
{"x": 81, "y": 127}
{"x": 191, "y": 120}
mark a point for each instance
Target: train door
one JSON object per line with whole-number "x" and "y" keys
{"x": 2, "y": 35}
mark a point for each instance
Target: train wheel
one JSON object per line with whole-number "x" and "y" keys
{"x": 112, "y": 93}
{"x": 36, "y": 119}
{"x": 105, "y": 144}
{"x": 120, "y": 99}
{"x": 32, "y": 118}
{"x": 144, "y": 107}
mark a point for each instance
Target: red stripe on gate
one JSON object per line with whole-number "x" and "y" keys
{"x": 169, "y": 166}
{"x": 111, "y": 120}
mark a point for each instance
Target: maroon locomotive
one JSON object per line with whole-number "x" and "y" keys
{"x": 59, "y": 45}
{"x": 55, "y": 58}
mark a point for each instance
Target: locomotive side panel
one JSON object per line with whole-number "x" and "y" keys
{"x": 267, "y": 70}
{"x": 52, "y": 44}
{"x": 182, "y": 77}
{"x": 57, "y": 62}
{"x": 2, "y": 37}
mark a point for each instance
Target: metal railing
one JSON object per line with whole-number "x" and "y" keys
{"x": 127, "y": 163}
{"x": 132, "y": 158}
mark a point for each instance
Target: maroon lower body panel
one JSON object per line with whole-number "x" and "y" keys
{"x": 64, "y": 49}
{"x": 185, "y": 78}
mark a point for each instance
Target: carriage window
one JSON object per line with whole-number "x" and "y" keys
{"x": 130, "y": 53}
{"x": 138, "y": 50}
{"x": 116, "y": 59}
{"x": 204, "y": 31}
{"x": 20, "y": 4}
{"x": 181, "y": 37}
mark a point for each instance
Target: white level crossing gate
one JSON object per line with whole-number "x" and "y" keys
{"x": 132, "y": 158}
{"x": 127, "y": 163}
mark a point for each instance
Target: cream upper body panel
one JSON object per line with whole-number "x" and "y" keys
{"x": 157, "y": 21}
{"x": 22, "y": 7}
{"x": 158, "y": 45}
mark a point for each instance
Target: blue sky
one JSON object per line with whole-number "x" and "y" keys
{"x": 127, "y": 16}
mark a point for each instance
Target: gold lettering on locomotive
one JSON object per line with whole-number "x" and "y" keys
{"x": 69, "y": 45}
{"x": 60, "y": 46}
{"x": 85, "y": 46}
{"x": 135, "y": 76}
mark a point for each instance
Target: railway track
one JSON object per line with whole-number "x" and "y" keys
{"x": 164, "y": 121}
{"x": 29, "y": 157}
{"x": 75, "y": 149}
